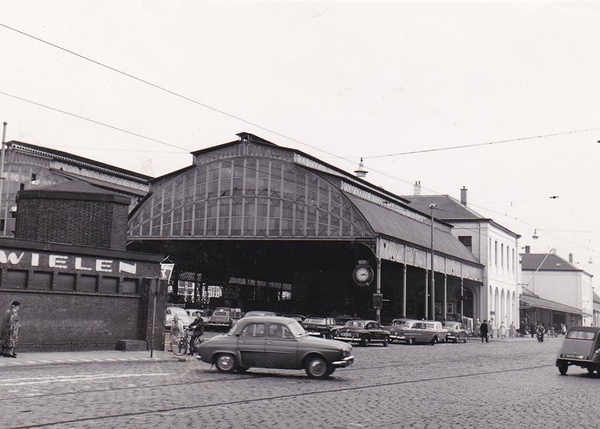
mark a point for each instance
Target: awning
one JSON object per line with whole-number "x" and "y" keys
{"x": 531, "y": 301}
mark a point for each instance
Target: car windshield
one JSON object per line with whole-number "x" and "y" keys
{"x": 315, "y": 320}
{"x": 220, "y": 314}
{"x": 581, "y": 335}
{"x": 354, "y": 324}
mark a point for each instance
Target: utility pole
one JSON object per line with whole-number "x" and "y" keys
{"x": 432, "y": 208}
{"x": 2, "y": 153}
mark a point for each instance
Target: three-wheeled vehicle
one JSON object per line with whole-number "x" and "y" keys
{"x": 580, "y": 347}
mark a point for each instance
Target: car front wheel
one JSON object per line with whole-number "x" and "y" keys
{"x": 317, "y": 367}
{"x": 225, "y": 362}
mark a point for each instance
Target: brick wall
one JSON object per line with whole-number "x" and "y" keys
{"x": 81, "y": 298}
{"x": 83, "y": 223}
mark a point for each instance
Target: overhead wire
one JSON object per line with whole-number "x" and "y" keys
{"x": 236, "y": 117}
{"x": 174, "y": 93}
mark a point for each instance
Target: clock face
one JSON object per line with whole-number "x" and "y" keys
{"x": 362, "y": 274}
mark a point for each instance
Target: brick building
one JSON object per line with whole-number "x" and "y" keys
{"x": 79, "y": 288}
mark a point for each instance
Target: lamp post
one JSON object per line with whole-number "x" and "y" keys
{"x": 432, "y": 281}
{"x": 2, "y": 153}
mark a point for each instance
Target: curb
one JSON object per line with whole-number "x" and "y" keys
{"x": 11, "y": 363}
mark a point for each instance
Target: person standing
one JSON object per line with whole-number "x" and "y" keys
{"x": 502, "y": 331}
{"x": 512, "y": 330}
{"x": 484, "y": 331}
{"x": 10, "y": 333}
{"x": 477, "y": 328}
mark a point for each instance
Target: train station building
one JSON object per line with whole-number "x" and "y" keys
{"x": 277, "y": 229}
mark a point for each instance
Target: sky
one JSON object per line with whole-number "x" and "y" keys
{"x": 499, "y": 97}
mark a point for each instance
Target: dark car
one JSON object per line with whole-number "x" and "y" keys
{"x": 319, "y": 326}
{"x": 456, "y": 332}
{"x": 581, "y": 347}
{"x": 274, "y": 342}
{"x": 363, "y": 332}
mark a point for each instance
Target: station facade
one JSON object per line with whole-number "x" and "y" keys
{"x": 280, "y": 230}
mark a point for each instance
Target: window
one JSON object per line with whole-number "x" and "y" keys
{"x": 496, "y": 253}
{"x": 502, "y": 255}
{"x": 254, "y": 330}
{"x": 467, "y": 240}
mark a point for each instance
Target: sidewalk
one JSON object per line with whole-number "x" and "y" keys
{"x": 62, "y": 358}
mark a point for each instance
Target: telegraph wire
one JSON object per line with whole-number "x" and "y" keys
{"x": 176, "y": 94}
{"x": 92, "y": 120}
{"x": 541, "y": 136}
{"x": 187, "y": 150}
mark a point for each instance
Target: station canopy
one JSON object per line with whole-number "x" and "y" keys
{"x": 252, "y": 189}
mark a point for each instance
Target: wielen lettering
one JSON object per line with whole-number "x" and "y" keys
{"x": 65, "y": 262}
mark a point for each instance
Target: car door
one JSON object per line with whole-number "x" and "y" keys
{"x": 375, "y": 331}
{"x": 251, "y": 344}
{"x": 281, "y": 347}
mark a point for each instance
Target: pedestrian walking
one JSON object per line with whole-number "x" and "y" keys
{"x": 477, "y": 327}
{"x": 563, "y": 329}
{"x": 10, "y": 331}
{"x": 502, "y": 331}
{"x": 512, "y": 330}
{"x": 484, "y": 331}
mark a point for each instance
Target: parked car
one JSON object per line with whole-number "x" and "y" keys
{"x": 296, "y": 317}
{"x": 422, "y": 331}
{"x": 340, "y": 321}
{"x": 185, "y": 318}
{"x": 195, "y": 312}
{"x": 395, "y": 329}
{"x": 274, "y": 342}
{"x": 255, "y": 313}
{"x": 319, "y": 326}
{"x": 456, "y": 332}
{"x": 223, "y": 318}
{"x": 363, "y": 332}
{"x": 580, "y": 347}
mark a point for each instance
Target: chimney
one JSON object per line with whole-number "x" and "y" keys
{"x": 417, "y": 187}
{"x": 527, "y": 249}
{"x": 463, "y": 196}
{"x": 570, "y": 258}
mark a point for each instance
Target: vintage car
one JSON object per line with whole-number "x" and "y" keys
{"x": 255, "y": 313}
{"x": 581, "y": 347}
{"x": 423, "y": 331}
{"x": 274, "y": 342}
{"x": 395, "y": 329}
{"x": 195, "y": 312}
{"x": 181, "y": 313}
{"x": 363, "y": 332}
{"x": 319, "y": 326}
{"x": 456, "y": 332}
{"x": 222, "y": 318}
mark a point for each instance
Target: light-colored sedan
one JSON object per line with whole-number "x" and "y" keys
{"x": 183, "y": 316}
{"x": 274, "y": 342}
{"x": 423, "y": 331}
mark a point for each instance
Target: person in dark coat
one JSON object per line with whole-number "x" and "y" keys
{"x": 484, "y": 331}
{"x": 10, "y": 332}
{"x": 198, "y": 327}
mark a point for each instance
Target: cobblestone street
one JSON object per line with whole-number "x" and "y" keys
{"x": 509, "y": 383}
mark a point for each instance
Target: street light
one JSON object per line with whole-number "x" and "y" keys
{"x": 431, "y": 208}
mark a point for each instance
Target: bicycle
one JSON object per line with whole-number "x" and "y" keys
{"x": 180, "y": 344}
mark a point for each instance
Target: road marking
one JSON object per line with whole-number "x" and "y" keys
{"x": 75, "y": 378}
